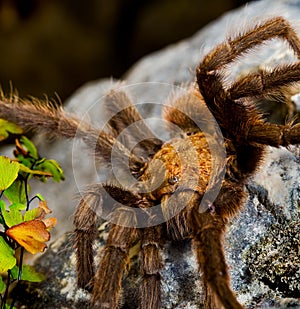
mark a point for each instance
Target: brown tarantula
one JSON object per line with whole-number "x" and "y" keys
{"x": 175, "y": 175}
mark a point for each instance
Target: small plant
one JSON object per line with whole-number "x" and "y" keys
{"x": 22, "y": 228}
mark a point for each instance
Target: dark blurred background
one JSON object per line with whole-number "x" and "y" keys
{"x": 54, "y": 46}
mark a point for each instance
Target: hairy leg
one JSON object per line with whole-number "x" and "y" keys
{"x": 274, "y": 134}
{"x": 104, "y": 201}
{"x": 209, "y": 81}
{"x": 150, "y": 290}
{"x": 123, "y": 115}
{"x": 50, "y": 118}
{"x": 223, "y": 104}
{"x": 208, "y": 229}
{"x": 114, "y": 261}
{"x": 97, "y": 200}
{"x": 85, "y": 235}
{"x": 263, "y": 82}
{"x": 209, "y": 252}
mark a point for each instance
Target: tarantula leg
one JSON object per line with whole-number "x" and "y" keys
{"x": 263, "y": 82}
{"x": 207, "y": 241}
{"x": 274, "y": 134}
{"x": 50, "y": 118}
{"x": 124, "y": 115}
{"x": 226, "y": 52}
{"x": 114, "y": 260}
{"x": 150, "y": 291}
{"x": 120, "y": 110}
{"x": 85, "y": 234}
{"x": 210, "y": 82}
{"x": 230, "y": 198}
{"x": 209, "y": 252}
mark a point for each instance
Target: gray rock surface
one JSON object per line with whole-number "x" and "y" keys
{"x": 262, "y": 243}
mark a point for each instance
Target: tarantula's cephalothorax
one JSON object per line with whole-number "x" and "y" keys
{"x": 175, "y": 174}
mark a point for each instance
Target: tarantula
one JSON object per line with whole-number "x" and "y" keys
{"x": 174, "y": 175}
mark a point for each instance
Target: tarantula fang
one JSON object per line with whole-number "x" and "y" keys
{"x": 174, "y": 175}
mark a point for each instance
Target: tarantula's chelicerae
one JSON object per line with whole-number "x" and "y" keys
{"x": 165, "y": 173}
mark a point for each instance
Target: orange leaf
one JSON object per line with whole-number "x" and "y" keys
{"x": 43, "y": 205}
{"x": 31, "y": 235}
{"x": 50, "y": 223}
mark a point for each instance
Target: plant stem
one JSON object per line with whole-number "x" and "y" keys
{"x": 26, "y": 193}
{"x": 3, "y": 302}
{"x": 33, "y": 198}
{"x": 22, "y": 249}
{"x": 1, "y": 194}
{"x": 19, "y": 276}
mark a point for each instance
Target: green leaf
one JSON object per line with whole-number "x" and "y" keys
{"x": 7, "y": 259}
{"x": 17, "y": 206}
{"x": 8, "y": 172}
{"x": 2, "y": 208}
{"x": 7, "y": 127}
{"x": 30, "y": 147}
{"x": 12, "y": 217}
{"x": 52, "y": 167}
{"x": 16, "y": 192}
{"x": 7, "y": 306}
{"x": 31, "y": 214}
{"x": 2, "y": 285}
{"x": 28, "y": 273}
{"x": 27, "y": 170}
{"x": 40, "y": 197}
{"x": 2, "y": 205}
{"x": 25, "y": 162}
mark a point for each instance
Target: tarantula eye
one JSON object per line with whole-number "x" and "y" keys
{"x": 190, "y": 133}
{"x": 173, "y": 180}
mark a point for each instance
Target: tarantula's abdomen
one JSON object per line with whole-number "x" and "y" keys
{"x": 181, "y": 164}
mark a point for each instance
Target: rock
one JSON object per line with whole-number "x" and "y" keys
{"x": 262, "y": 243}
